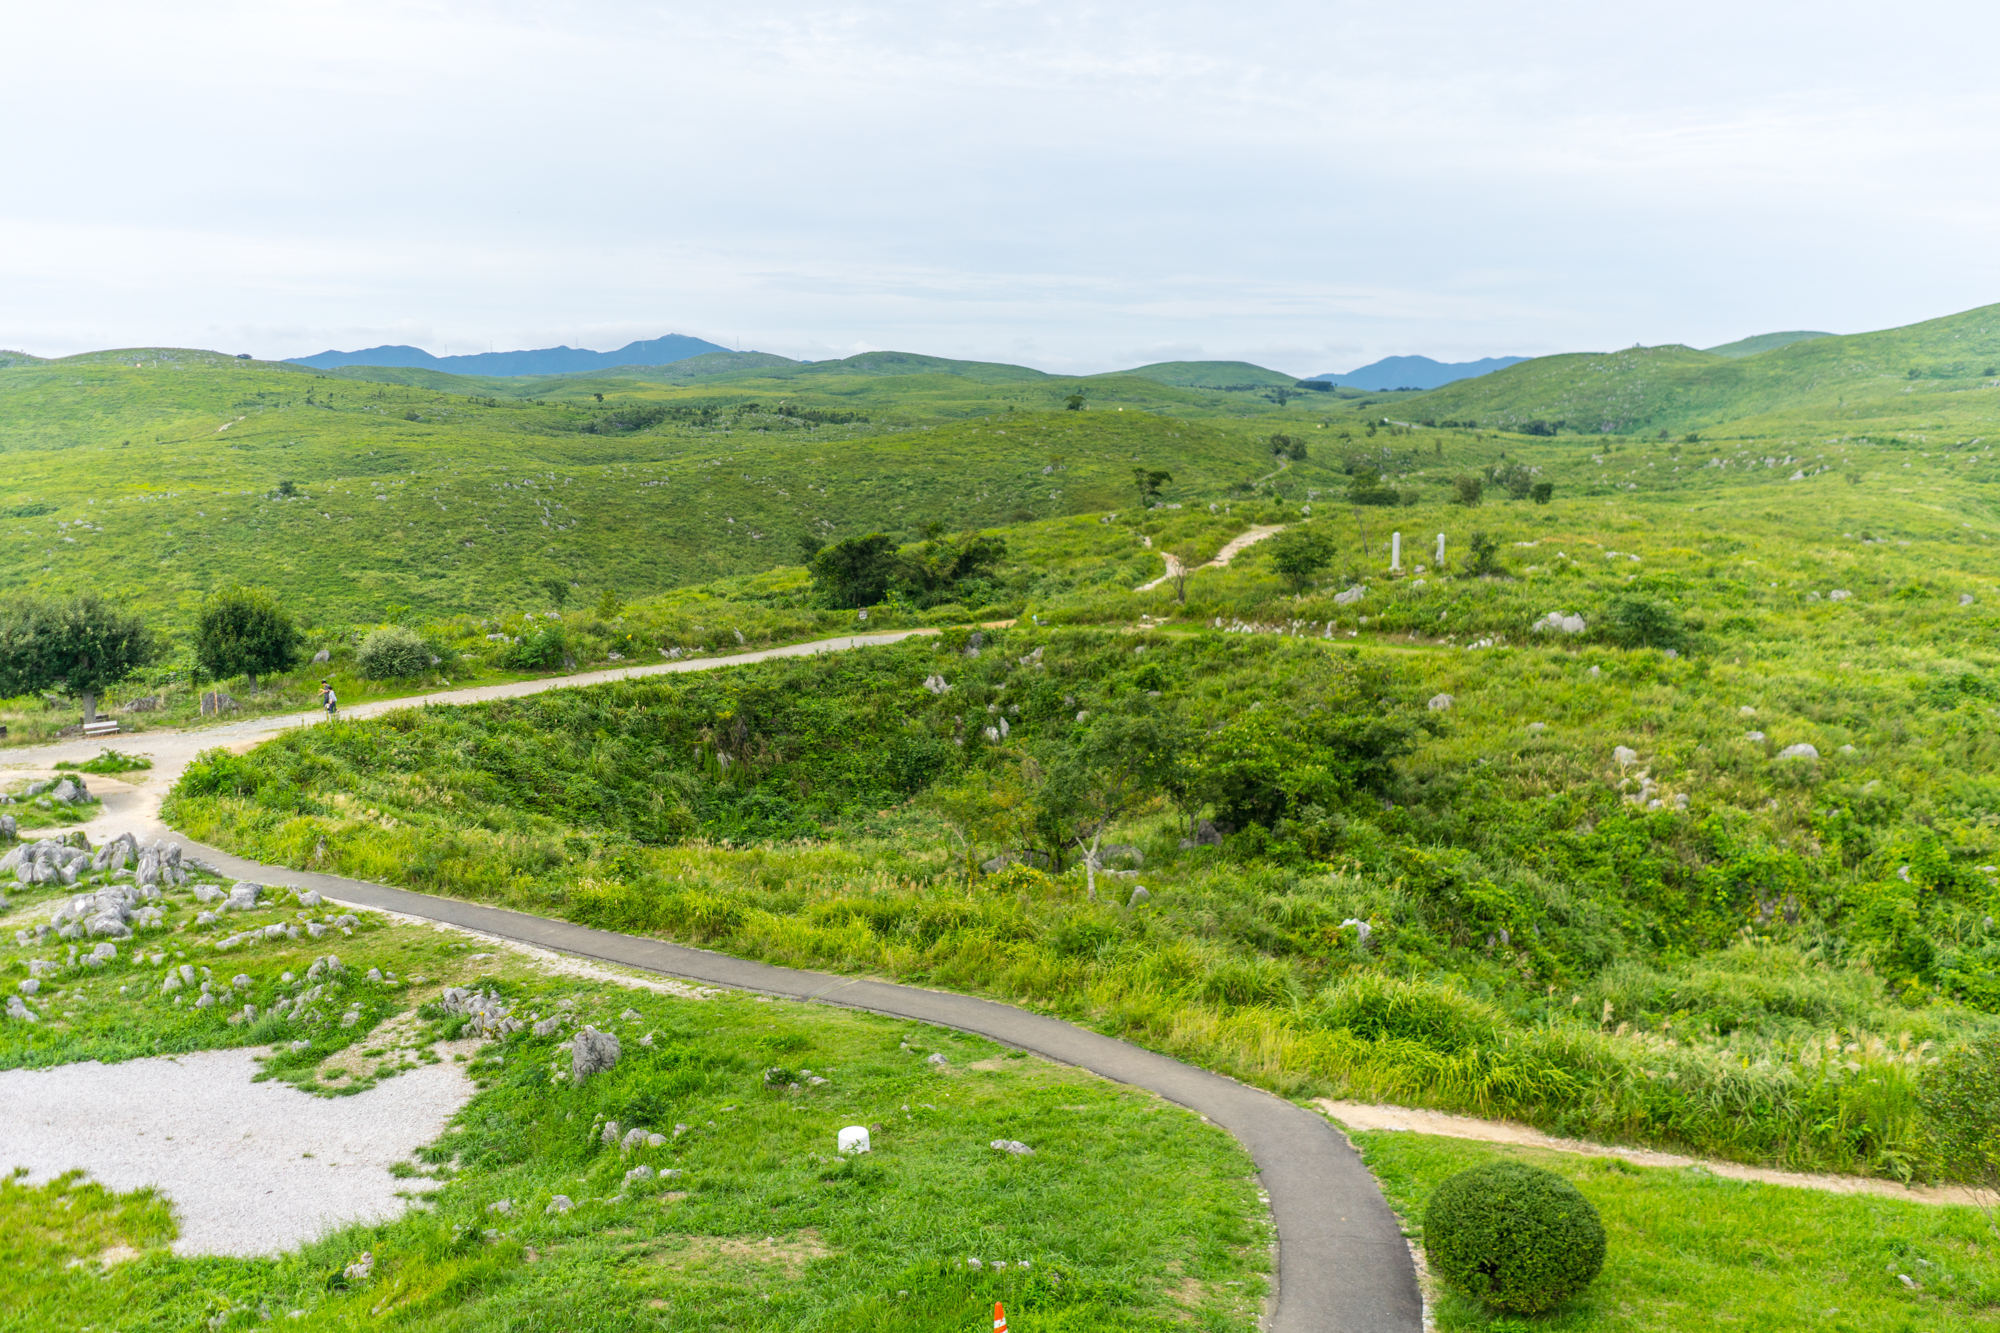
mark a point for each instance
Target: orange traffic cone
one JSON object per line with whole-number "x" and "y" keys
{"x": 999, "y": 1318}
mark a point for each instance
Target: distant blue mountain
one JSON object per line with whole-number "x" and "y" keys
{"x": 1417, "y": 372}
{"x": 543, "y": 361}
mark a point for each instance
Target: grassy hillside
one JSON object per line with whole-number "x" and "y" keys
{"x": 159, "y": 477}
{"x": 1885, "y": 381}
{"x": 1764, "y": 342}
{"x": 1657, "y": 945}
{"x": 1213, "y": 375}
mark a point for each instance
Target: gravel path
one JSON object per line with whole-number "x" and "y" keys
{"x": 1361, "y": 1115}
{"x": 251, "y": 1168}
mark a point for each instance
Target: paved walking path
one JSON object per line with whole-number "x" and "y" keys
{"x": 1343, "y": 1265}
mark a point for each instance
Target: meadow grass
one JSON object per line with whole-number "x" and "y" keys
{"x": 1129, "y": 1214}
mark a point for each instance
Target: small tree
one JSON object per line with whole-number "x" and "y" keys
{"x": 1103, "y": 773}
{"x": 1542, "y": 492}
{"x": 1466, "y": 490}
{"x": 1483, "y": 555}
{"x": 1149, "y": 481}
{"x": 244, "y": 632}
{"x": 854, "y": 572}
{"x": 1299, "y": 553}
{"x": 1074, "y": 402}
{"x": 1186, "y": 560}
{"x": 82, "y": 644}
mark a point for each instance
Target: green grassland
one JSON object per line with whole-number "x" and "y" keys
{"x": 157, "y": 480}
{"x": 1130, "y": 1213}
{"x": 1689, "y": 1249}
{"x": 1939, "y": 375}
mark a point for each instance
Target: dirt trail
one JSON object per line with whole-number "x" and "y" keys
{"x": 132, "y": 801}
{"x": 1359, "y": 1115}
{"x": 1237, "y": 545}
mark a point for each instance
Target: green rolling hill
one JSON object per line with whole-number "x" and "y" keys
{"x": 1893, "y": 380}
{"x": 1764, "y": 342}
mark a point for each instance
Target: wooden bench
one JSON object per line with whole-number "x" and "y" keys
{"x": 104, "y": 726}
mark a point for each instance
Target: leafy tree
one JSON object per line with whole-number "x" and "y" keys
{"x": 854, "y": 572}
{"x": 1149, "y": 481}
{"x": 1367, "y": 488}
{"x": 939, "y": 569}
{"x": 1300, "y": 552}
{"x": 1542, "y": 492}
{"x": 1102, "y": 772}
{"x": 979, "y": 807}
{"x": 1466, "y": 490}
{"x": 1483, "y": 555}
{"x": 244, "y": 632}
{"x": 1074, "y": 403}
{"x": 1268, "y": 763}
{"x": 608, "y": 605}
{"x": 83, "y": 644}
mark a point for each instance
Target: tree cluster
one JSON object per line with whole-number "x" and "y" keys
{"x": 864, "y": 571}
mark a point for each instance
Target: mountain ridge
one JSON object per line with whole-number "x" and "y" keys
{"x": 537, "y": 361}
{"x": 1415, "y": 372}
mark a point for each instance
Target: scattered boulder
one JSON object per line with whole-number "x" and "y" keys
{"x": 241, "y": 898}
{"x": 561, "y": 1203}
{"x": 1966, "y": 599}
{"x": 936, "y": 684}
{"x": 1559, "y": 622}
{"x": 215, "y": 702}
{"x": 1799, "y": 751}
{"x": 1625, "y": 756}
{"x": 1840, "y": 594}
{"x": 640, "y": 1172}
{"x": 359, "y": 1270}
{"x": 1014, "y": 1146}
{"x": 592, "y": 1052}
{"x": 1441, "y": 703}
{"x": 1139, "y": 895}
{"x": 1753, "y": 736}
{"x": 323, "y": 656}
{"x": 1362, "y": 930}
{"x": 1349, "y": 596}
{"x": 145, "y": 704}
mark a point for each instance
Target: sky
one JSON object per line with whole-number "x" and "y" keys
{"x": 1072, "y": 186}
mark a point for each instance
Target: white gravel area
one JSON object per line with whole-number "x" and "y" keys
{"x": 251, "y": 1168}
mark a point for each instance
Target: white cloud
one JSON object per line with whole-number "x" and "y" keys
{"x": 1314, "y": 185}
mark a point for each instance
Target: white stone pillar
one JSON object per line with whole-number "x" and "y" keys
{"x": 1440, "y": 559}
{"x": 1395, "y": 552}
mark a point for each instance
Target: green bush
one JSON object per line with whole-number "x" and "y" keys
{"x": 392, "y": 652}
{"x": 1960, "y": 1095}
{"x": 538, "y": 649}
{"x": 1514, "y": 1236}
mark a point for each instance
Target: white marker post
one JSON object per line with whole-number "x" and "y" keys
{"x": 1395, "y": 552}
{"x": 1440, "y": 559}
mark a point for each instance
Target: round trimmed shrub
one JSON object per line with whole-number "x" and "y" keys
{"x": 1514, "y": 1236}
{"x": 392, "y": 652}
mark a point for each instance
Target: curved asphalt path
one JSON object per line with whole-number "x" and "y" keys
{"x": 1343, "y": 1265}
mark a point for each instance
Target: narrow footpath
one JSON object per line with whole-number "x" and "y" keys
{"x": 1343, "y": 1264}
